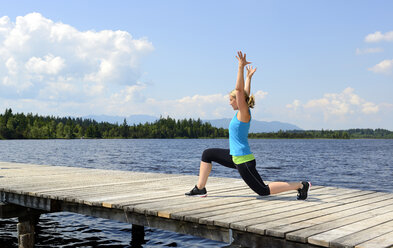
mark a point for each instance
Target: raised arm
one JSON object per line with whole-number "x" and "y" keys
{"x": 250, "y": 73}
{"x": 243, "y": 114}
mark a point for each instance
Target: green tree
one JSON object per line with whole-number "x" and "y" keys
{"x": 60, "y": 131}
{"x": 78, "y": 131}
{"x": 124, "y": 129}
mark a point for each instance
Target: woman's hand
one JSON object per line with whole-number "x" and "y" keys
{"x": 242, "y": 59}
{"x": 250, "y": 71}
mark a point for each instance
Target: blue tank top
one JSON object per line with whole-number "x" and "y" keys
{"x": 238, "y": 137}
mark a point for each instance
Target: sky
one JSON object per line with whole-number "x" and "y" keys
{"x": 320, "y": 64}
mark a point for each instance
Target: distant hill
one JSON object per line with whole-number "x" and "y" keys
{"x": 256, "y": 126}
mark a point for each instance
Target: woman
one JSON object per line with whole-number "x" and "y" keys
{"x": 239, "y": 155}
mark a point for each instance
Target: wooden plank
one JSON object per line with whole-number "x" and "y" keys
{"x": 278, "y": 218}
{"x": 299, "y": 231}
{"x": 338, "y": 221}
{"x": 137, "y": 198}
{"x": 64, "y": 185}
{"x": 29, "y": 201}
{"x": 153, "y": 206}
{"x": 103, "y": 189}
{"x": 151, "y": 199}
{"x": 139, "y": 195}
{"x": 247, "y": 213}
{"x": 282, "y": 200}
{"x": 347, "y": 203}
{"x": 227, "y": 203}
{"x": 234, "y": 195}
{"x": 364, "y": 235}
{"x": 101, "y": 195}
{"x": 383, "y": 241}
{"x": 290, "y": 210}
{"x": 327, "y": 238}
{"x": 201, "y": 205}
{"x": 179, "y": 192}
{"x": 37, "y": 170}
{"x": 80, "y": 173}
{"x": 182, "y": 203}
{"x": 264, "y": 202}
{"x": 56, "y": 183}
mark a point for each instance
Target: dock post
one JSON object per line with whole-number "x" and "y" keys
{"x": 26, "y": 229}
{"x": 137, "y": 235}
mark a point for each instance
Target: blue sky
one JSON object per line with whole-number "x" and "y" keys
{"x": 321, "y": 64}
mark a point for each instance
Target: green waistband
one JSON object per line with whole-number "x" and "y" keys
{"x": 243, "y": 159}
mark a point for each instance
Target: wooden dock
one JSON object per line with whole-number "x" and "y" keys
{"x": 232, "y": 213}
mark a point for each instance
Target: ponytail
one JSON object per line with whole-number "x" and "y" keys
{"x": 250, "y": 101}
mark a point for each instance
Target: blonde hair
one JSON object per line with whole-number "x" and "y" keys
{"x": 250, "y": 100}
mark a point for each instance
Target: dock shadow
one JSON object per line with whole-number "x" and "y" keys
{"x": 268, "y": 198}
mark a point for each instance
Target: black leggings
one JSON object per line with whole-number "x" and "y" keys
{"x": 247, "y": 170}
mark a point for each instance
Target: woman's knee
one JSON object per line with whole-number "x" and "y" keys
{"x": 207, "y": 155}
{"x": 252, "y": 178}
{"x": 265, "y": 191}
{"x": 260, "y": 189}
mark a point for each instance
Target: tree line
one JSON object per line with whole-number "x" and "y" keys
{"x": 21, "y": 126}
{"x": 367, "y": 133}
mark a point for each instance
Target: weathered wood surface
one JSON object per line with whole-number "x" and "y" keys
{"x": 331, "y": 217}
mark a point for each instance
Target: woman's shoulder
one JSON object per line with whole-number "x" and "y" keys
{"x": 243, "y": 117}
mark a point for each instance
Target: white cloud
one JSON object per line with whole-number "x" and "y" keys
{"x": 52, "y": 68}
{"x": 130, "y": 94}
{"x": 211, "y": 106}
{"x": 11, "y": 65}
{"x": 49, "y": 65}
{"x": 259, "y": 95}
{"x": 294, "y": 105}
{"x": 197, "y": 106}
{"x": 368, "y": 50}
{"x": 335, "y": 107}
{"x": 200, "y": 106}
{"x": 385, "y": 67}
{"x": 344, "y": 103}
{"x": 45, "y": 60}
{"x": 378, "y": 36}
{"x": 369, "y": 108}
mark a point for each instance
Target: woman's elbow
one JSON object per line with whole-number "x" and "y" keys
{"x": 239, "y": 89}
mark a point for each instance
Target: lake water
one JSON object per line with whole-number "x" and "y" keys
{"x": 360, "y": 164}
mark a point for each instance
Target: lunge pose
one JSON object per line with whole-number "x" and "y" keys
{"x": 239, "y": 155}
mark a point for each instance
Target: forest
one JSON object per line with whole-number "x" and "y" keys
{"x": 21, "y": 126}
{"x": 366, "y": 133}
{"x": 29, "y": 126}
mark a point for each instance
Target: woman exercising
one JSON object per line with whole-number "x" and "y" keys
{"x": 239, "y": 155}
